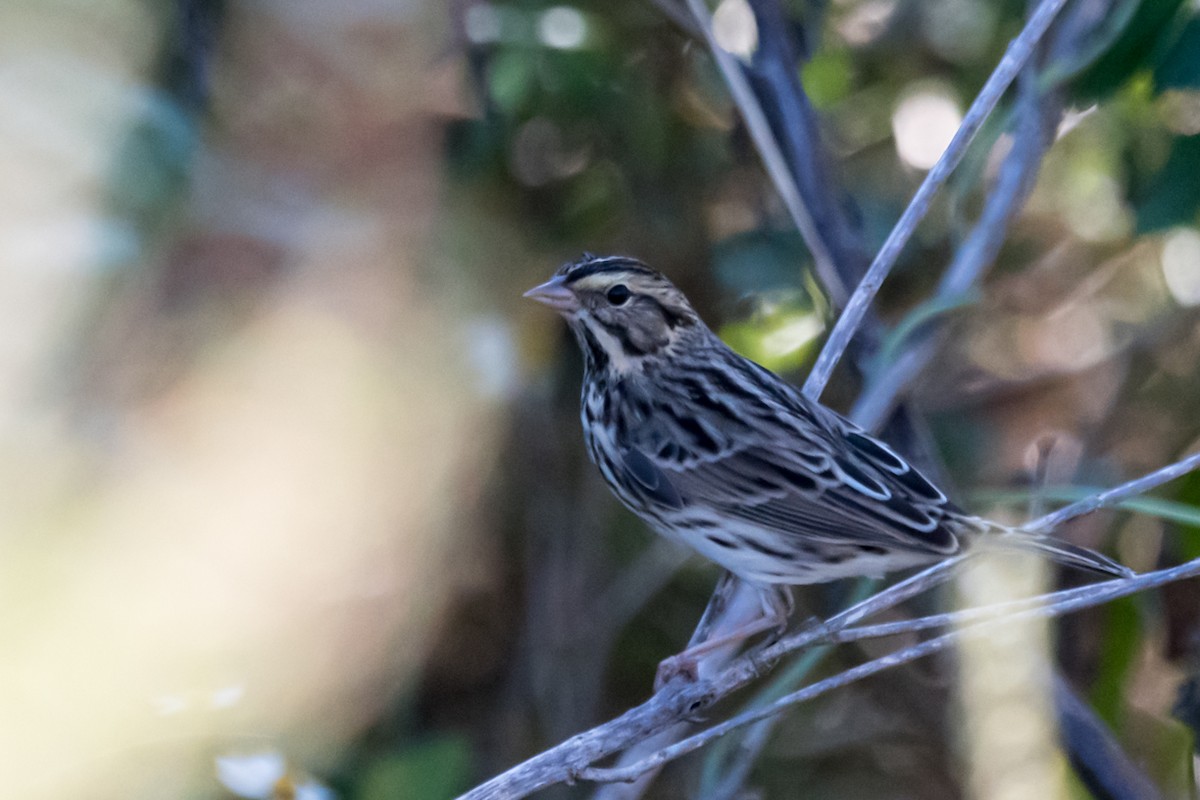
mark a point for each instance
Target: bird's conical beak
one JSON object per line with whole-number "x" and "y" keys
{"x": 555, "y": 294}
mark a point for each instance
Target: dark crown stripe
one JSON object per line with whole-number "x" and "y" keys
{"x": 582, "y": 269}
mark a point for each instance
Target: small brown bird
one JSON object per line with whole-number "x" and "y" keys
{"x": 719, "y": 453}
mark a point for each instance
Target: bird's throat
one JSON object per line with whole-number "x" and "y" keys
{"x": 602, "y": 350}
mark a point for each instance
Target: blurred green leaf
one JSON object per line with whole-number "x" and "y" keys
{"x": 1187, "y": 704}
{"x": 1173, "y": 196}
{"x": 1180, "y": 66}
{"x": 780, "y": 337}
{"x": 1169, "y": 510}
{"x": 760, "y": 260}
{"x": 154, "y": 162}
{"x": 827, "y": 77}
{"x": 512, "y": 79}
{"x": 430, "y": 770}
{"x": 474, "y": 148}
{"x": 1188, "y": 545}
{"x": 1164, "y": 749}
{"x": 1122, "y": 637}
{"x": 789, "y": 319}
{"x": 594, "y": 199}
{"x": 1131, "y": 51}
{"x": 1115, "y": 23}
{"x": 931, "y": 309}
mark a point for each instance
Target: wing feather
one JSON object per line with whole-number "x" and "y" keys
{"x": 799, "y": 470}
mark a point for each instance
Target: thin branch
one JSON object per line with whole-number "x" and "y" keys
{"x": 1013, "y": 184}
{"x": 734, "y": 770}
{"x": 774, "y": 76}
{"x": 733, "y": 603}
{"x": 632, "y": 790}
{"x": 1053, "y": 607}
{"x": 1014, "y": 58}
{"x": 680, "y": 700}
{"x": 1115, "y": 495}
{"x": 968, "y": 615}
{"x": 768, "y": 148}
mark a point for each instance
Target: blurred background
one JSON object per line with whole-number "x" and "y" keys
{"x": 294, "y": 502}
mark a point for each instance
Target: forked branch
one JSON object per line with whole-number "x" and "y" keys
{"x": 576, "y": 758}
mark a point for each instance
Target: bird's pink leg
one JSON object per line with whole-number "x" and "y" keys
{"x": 776, "y": 608}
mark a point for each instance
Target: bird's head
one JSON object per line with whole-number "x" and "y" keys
{"x": 619, "y": 309}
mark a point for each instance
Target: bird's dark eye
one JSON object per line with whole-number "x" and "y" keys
{"x": 618, "y": 294}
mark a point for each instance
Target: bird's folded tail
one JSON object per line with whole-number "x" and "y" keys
{"x": 1059, "y": 551}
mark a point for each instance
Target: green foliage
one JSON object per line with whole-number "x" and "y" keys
{"x": 1122, "y": 639}
{"x": 1163, "y": 748}
{"x": 922, "y": 314}
{"x": 1173, "y": 195}
{"x": 1188, "y": 542}
{"x": 1146, "y": 31}
{"x": 759, "y": 260}
{"x": 434, "y": 769}
{"x": 1179, "y": 68}
{"x": 828, "y": 77}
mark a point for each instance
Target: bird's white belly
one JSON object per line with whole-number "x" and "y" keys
{"x": 804, "y": 563}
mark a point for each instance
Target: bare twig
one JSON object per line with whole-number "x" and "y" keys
{"x": 1018, "y": 53}
{"x": 734, "y": 773}
{"x": 1114, "y": 496}
{"x": 772, "y": 155}
{"x": 573, "y": 758}
{"x": 732, "y": 605}
{"x": 978, "y": 251}
{"x": 1054, "y": 606}
{"x": 773, "y": 75}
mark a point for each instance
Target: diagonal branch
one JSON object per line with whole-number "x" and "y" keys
{"x": 1115, "y": 495}
{"x": 1037, "y": 116}
{"x": 1018, "y": 53}
{"x": 679, "y": 700}
{"x": 772, "y": 155}
{"x": 1050, "y": 605}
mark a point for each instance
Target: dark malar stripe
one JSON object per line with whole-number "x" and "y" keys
{"x": 595, "y": 355}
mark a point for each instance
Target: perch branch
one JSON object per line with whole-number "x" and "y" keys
{"x": 680, "y": 700}
{"x": 1052, "y": 605}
